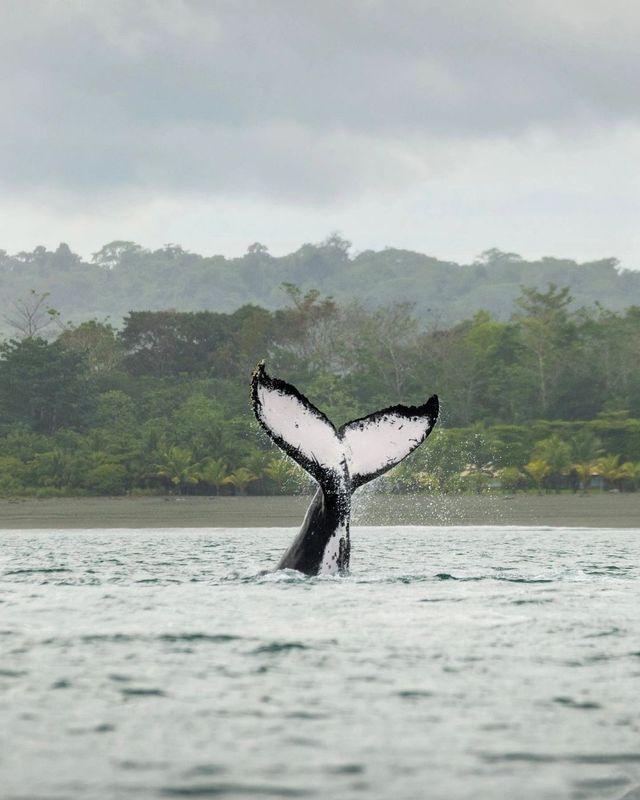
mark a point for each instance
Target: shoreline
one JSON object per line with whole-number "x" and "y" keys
{"x": 606, "y": 510}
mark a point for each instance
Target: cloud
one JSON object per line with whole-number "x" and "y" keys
{"x": 318, "y": 102}
{"x": 447, "y": 127}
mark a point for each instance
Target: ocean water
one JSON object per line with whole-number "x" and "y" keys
{"x": 451, "y": 663}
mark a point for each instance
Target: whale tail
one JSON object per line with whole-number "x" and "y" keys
{"x": 351, "y": 455}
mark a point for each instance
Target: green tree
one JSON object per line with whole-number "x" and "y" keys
{"x": 214, "y": 473}
{"x": 44, "y": 385}
{"x": 303, "y": 331}
{"x": 177, "y": 466}
{"x": 379, "y": 348}
{"x": 586, "y": 448}
{"x": 609, "y": 468}
{"x": 97, "y": 342}
{"x": 22, "y": 442}
{"x": 114, "y": 410}
{"x": 629, "y": 473}
{"x": 539, "y": 470}
{"x": 12, "y": 475}
{"x": 548, "y": 334}
{"x": 556, "y": 454}
{"x": 240, "y": 479}
{"x": 511, "y": 478}
{"x": 177, "y": 343}
{"x": 200, "y": 424}
{"x": 331, "y": 395}
{"x": 287, "y": 476}
{"x": 58, "y": 468}
{"x": 114, "y": 254}
{"x": 108, "y": 478}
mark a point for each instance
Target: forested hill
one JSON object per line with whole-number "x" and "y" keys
{"x": 124, "y": 276}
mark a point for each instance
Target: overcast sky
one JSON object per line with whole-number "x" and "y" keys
{"x": 445, "y": 127}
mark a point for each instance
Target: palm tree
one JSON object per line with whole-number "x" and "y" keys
{"x": 539, "y": 470}
{"x": 609, "y": 468}
{"x": 585, "y": 446}
{"x": 280, "y": 471}
{"x": 584, "y": 470}
{"x": 176, "y": 464}
{"x": 556, "y": 453}
{"x": 630, "y": 472}
{"x": 586, "y": 449}
{"x": 256, "y": 462}
{"x": 214, "y": 473}
{"x": 240, "y": 479}
{"x": 287, "y": 475}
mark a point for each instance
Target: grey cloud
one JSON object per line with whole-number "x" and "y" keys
{"x": 294, "y": 99}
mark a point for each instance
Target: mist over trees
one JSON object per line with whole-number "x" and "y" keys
{"x": 123, "y": 275}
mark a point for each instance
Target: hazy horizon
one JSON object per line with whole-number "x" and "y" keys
{"x": 354, "y": 251}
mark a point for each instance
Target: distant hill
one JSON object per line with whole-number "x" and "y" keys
{"x": 123, "y": 276}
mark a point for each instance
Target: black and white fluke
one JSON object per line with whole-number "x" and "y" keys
{"x": 339, "y": 460}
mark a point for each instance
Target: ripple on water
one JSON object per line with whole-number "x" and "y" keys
{"x": 141, "y": 692}
{"x": 128, "y": 638}
{"x": 234, "y": 789}
{"x": 584, "y": 705}
{"x": 219, "y": 678}
{"x": 272, "y": 648}
{"x": 346, "y": 769}
{"x": 202, "y": 770}
{"x": 414, "y": 694}
{"x": 38, "y": 571}
{"x": 569, "y": 758}
{"x": 207, "y": 638}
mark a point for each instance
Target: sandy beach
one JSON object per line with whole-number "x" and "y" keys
{"x": 593, "y": 510}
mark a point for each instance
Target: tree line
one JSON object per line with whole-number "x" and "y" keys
{"x": 123, "y": 274}
{"x": 549, "y": 399}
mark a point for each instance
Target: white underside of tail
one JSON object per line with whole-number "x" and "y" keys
{"x": 362, "y": 448}
{"x": 329, "y": 565}
{"x": 301, "y": 426}
{"x": 373, "y": 444}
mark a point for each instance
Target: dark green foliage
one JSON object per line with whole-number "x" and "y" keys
{"x": 173, "y": 343}
{"x": 97, "y": 341}
{"x": 547, "y": 398}
{"x": 43, "y": 385}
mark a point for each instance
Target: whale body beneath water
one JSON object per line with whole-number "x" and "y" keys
{"x": 339, "y": 460}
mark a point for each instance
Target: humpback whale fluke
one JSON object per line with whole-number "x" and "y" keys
{"x": 339, "y": 461}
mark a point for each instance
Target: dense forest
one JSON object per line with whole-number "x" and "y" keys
{"x": 124, "y": 275}
{"x": 547, "y": 399}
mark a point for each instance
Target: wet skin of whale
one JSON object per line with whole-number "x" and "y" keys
{"x": 339, "y": 461}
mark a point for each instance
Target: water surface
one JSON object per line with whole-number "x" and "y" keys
{"x": 451, "y": 663}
